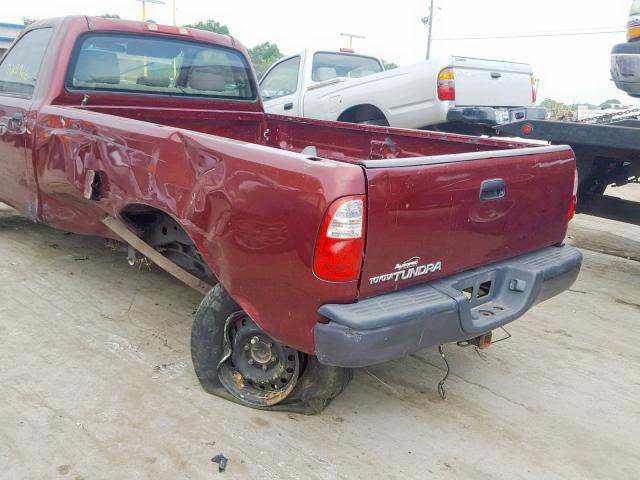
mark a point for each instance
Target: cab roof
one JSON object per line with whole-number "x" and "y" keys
{"x": 100, "y": 24}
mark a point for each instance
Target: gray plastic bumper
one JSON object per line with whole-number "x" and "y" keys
{"x": 394, "y": 325}
{"x": 495, "y": 116}
{"x": 625, "y": 67}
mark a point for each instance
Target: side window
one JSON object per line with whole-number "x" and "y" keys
{"x": 20, "y": 66}
{"x": 281, "y": 80}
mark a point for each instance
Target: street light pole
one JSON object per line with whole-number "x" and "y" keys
{"x": 144, "y": 7}
{"x": 429, "y": 20}
{"x": 351, "y": 37}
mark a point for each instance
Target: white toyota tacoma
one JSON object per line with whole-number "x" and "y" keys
{"x": 451, "y": 93}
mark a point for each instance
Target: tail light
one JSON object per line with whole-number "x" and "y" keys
{"x": 574, "y": 198}
{"x": 633, "y": 27}
{"x": 340, "y": 245}
{"x": 446, "y": 85}
{"x": 534, "y": 89}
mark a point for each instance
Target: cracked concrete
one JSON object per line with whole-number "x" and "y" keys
{"x": 97, "y": 383}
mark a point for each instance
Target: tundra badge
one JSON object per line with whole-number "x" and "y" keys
{"x": 408, "y": 269}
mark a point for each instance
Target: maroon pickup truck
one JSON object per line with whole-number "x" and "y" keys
{"x": 319, "y": 246}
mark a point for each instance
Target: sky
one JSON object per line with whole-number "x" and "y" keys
{"x": 571, "y": 68}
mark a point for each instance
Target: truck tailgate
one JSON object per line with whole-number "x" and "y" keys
{"x": 430, "y": 217}
{"x": 491, "y": 83}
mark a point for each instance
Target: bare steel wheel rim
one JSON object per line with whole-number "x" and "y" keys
{"x": 256, "y": 369}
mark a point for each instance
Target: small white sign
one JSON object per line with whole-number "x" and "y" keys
{"x": 583, "y": 112}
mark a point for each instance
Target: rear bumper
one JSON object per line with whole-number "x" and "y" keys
{"x": 396, "y": 324}
{"x": 625, "y": 67}
{"x": 495, "y": 116}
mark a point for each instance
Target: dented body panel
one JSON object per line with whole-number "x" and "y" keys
{"x": 252, "y": 211}
{"x": 237, "y": 182}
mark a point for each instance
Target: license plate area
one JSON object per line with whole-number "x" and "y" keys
{"x": 478, "y": 289}
{"x": 502, "y": 116}
{"x": 489, "y": 298}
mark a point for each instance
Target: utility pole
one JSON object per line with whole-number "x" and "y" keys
{"x": 174, "y": 11}
{"x": 351, "y": 37}
{"x": 429, "y": 20}
{"x": 144, "y": 7}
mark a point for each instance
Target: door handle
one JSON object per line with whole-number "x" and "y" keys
{"x": 493, "y": 190}
{"x": 288, "y": 106}
{"x": 496, "y": 75}
{"x": 17, "y": 120}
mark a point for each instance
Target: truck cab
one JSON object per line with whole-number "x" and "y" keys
{"x": 285, "y": 84}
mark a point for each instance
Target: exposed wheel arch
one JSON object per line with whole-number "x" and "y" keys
{"x": 364, "y": 113}
{"x": 161, "y": 231}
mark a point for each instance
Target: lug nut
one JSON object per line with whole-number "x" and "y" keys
{"x": 246, "y": 348}
{"x": 250, "y": 361}
{"x": 254, "y": 340}
{"x": 264, "y": 368}
{"x": 269, "y": 344}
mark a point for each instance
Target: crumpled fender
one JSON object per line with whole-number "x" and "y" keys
{"x": 252, "y": 211}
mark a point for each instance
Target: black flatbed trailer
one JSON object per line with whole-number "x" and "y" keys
{"x": 606, "y": 155}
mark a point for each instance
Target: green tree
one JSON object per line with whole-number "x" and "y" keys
{"x": 211, "y": 26}
{"x": 263, "y": 56}
{"x": 109, "y": 15}
{"x": 389, "y": 65}
{"x": 553, "y": 105}
{"x": 28, "y": 21}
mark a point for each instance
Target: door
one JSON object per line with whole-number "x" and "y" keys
{"x": 280, "y": 88}
{"x": 18, "y": 73}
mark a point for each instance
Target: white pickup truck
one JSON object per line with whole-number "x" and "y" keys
{"x": 452, "y": 93}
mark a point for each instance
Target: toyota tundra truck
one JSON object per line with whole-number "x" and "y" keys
{"x": 318, "y": 246}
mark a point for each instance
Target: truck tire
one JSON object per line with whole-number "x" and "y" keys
{"x": 234, "y": 359}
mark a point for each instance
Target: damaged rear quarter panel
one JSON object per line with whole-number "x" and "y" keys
{"x": 252, "y": 211}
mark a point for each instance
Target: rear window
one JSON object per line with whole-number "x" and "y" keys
{"x": 328, "y": 65}
{"x": 159, "y": 66}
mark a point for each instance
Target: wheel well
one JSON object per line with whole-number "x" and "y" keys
{"x": 363, "y": 113}
{"x": 162, "y": 232}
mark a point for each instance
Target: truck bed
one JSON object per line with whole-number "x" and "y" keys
{"x": 423, "y": 187}
{"x": 332, "y": 140}
{"x": 355, "y": 142}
